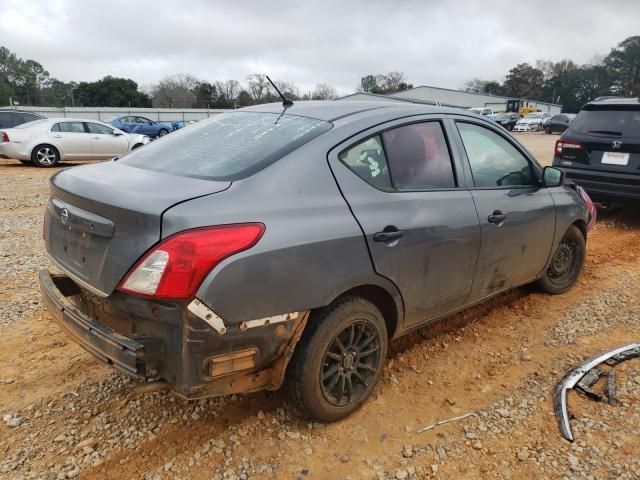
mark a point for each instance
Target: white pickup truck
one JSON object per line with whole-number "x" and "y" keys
{"x": 484, "y": 111}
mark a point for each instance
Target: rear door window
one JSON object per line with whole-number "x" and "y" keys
{"x": 228, "y": 146}
{"x": 367, "y": 160}
{"x": 618, "y": 122}
{"x": 494, "y": 161}
{"x": 418, "y": 157}
{"x": 71, "y": 127}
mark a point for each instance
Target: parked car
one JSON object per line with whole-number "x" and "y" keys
{"x": 558, "y": 123}
{"x": 10, "y": 118}
{"x": 531, "y": 122}
{"x": 484, "y": 111}
{"x": 601, "y": 149}
{"x": 141, "y": 125}
{"x": 312, "y": 237}
{"x": 48, "y": 141}
{"x": 507, "y": 119}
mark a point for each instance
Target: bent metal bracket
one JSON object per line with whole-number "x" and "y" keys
{"x": 588, "y": 369}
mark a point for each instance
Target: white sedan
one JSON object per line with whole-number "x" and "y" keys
{"x": 51, "y": 140}
{"x": 532, "y": 122}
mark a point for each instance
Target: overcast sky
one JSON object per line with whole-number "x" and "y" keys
{"x": 336, "y": 42}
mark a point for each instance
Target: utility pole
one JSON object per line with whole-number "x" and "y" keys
{"x": 73, "y": 103}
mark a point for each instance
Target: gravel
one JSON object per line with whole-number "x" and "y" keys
{"x": 102, "y": 422}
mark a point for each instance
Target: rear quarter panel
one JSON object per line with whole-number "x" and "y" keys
{"x": 569, "y": 209}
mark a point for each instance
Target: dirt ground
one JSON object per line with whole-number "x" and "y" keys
{"x": 73, "y": 417}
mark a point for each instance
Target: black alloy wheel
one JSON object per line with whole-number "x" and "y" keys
{"x": 350, "y": 363}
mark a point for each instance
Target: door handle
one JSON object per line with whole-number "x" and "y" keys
{"x": 497, "y": 217}
{"x": 57, "y": 136}
{"x": 388, "y": 235}
{"x": 95, "y": 138}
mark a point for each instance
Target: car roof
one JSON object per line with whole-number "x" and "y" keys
{"x": 19, "y": 111}
{"x": 331, "y": 110}
{"x": 72, "y": 119}
{"x": 611, "y": 101}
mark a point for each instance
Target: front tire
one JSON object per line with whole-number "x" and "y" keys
{"x": 45, "y": 156}
{"x": 162, "y": 132}
{"x": 547, "y": 130}
{"x": 338, "y": 360}
{"x": 566, "y": 264}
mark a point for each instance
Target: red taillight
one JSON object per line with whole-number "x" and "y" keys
{"x": 175, "y": 268}
{"x": 4, "y": 137}
{"x": 561, "y": 145}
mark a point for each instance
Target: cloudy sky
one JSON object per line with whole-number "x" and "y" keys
{"x": 336, "y": 42}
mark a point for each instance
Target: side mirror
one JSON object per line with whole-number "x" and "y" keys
{"x": 117, "y": 133}
{"x": 552, "y": 177}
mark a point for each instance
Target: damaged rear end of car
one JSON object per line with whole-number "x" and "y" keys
{"x": 133, "y": 288}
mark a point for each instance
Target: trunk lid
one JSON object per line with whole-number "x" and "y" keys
{"x": 101, "y": 218}
{"x": 617, "y": 155}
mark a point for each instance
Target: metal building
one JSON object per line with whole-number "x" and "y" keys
{"x": 453, "y": 98}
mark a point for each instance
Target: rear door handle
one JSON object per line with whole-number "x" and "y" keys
{"x": 497, "y": 217}
{"x": 388, "y": 236}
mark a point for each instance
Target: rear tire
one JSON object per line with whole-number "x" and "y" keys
{"x": 339, "y": 359}
{"x": 45, "y": 156}
{"x": 566, "y": 263}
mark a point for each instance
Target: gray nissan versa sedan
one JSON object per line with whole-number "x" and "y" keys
{"x": 291, "y": 244}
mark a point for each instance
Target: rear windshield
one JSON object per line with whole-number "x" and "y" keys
{"x": 619, "y": 123}
{"x": 31, "y": 124}
{"x": 229, "y": 146}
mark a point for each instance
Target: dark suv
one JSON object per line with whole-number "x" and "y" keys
{"x": 601, "y": 149}
{"x": 13, "y": 118}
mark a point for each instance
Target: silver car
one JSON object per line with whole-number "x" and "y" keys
{"x": 51, "y": 140}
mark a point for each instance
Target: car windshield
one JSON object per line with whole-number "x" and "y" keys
{"x": 229, "y": 146}
{"x": 476, "y": 110}
{"x": 619, "y": 123}
{"x": 31, "y": 124}
{"x": 503, "y": 116}
{"x": 534, "y": 115}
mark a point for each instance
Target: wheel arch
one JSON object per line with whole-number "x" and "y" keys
{"x": 390, "y": 305}
{"x": 48, "y": 144}
{"x": 582, "y": 226}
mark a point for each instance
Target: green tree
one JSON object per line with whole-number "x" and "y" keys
{"x": 245, "y": 99}
{"x": 110, "y": 92}
{"x": 493, "y": 88}
{"x": 524, "y": 81}
{"x": 623, "y": 66}
{"x": 575, "y": 87}
{"x": 205, "y": 95}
